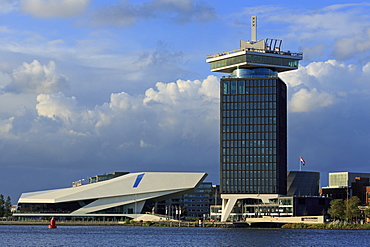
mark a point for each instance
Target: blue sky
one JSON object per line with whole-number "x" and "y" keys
{"x": 90, "y": 87}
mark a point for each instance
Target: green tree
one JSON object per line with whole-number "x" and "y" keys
{"x": 8, "y": 207}
{"x": 2, "y": 209}
{"x": 184, "y": 211}
{"x": 367, "y": 213}
{"x": 351, "y": 209}
{"x": 336, "y": 209}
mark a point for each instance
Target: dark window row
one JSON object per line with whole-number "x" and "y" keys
{"x": 257, "y": 143}
{"x": 248, "y": 151}
{"x": 249, "y": 131}
{"x": 248, "y": 105}
{"x": 248, "y": 98}
{"x": 232, "y": 142}
{"x": 254, "y": 158}
{"x": 249, "y": 113}
{"x": 249, "y": 166}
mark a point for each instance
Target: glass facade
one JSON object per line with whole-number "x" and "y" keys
{"x": 343, "y": 179}
{"x": 253, "y": 136}
{"x": 256, "y": 59}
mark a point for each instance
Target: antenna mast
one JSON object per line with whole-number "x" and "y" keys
{"x": 254, "y": 28}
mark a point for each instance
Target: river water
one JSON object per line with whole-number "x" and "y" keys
{"x": 173, "y": 236}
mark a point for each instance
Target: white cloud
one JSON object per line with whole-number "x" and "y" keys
{"x": 124, "y": 13}
{"x": 56, "y": 42}
{"x": 120, "y": 101}
{"x": 7, "y": 6}
{"x": 305, "y": 100}
{"x": 176, "y": 93}
{"x": 5, "y": 79}
{"x": 322, "y": 84}
{"x": 143, "y": 144}
{"x": 53, "y": 8}
{"x": 349, "y": 47}
{"x": 5, "y": 126}
{"x": 37, "y": 78}
{"x": 312, "y": 52}
{"x": 366, "y": 69}
{"x": 170, "y": 115}
{"x": 56, "y": 106}
{"x": 16, "y": 104}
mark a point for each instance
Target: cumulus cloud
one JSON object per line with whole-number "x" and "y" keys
{"x": 305, "y": 100}
{"x": 56, "y": 106}
{"x": 53, "y": 8}
{"x": 322, "y": 84}
{"x": 124, "y": 13}
{"x": 169, "y": 109}
{"x": 36, "y": 78}
{"x": 175, "y": 116}
{"x": 126, "y": 133}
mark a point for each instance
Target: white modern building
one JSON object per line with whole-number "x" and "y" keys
{"x": 345, "y": 179}
{"x": 131, "y": 195}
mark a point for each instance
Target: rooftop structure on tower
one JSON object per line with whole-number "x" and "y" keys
{"x": 265, "y": 53}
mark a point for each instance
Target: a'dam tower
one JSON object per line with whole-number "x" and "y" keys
{"x": 253, "y": 120}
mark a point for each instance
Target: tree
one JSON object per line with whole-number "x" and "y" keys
{"x": 5, "y": 206}
{"x": 367, "y": 213}
{"x": 184, "y": 211}
{"x": 8, "y": 207}
{"x": 351, "y": 209}
{"x": 2, "y": 209}
{"x": 336, "y": 209}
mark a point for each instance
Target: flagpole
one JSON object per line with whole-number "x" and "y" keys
{"x": 300, "y": 164}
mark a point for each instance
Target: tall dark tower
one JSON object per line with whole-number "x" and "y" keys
{"x": 253, "y": 120}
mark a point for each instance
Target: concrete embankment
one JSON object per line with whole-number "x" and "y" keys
{"x": 122, "y": 223}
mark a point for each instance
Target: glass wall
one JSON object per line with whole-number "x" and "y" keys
{"x": 253, "y": 136}
{"x": 255, "y": 59}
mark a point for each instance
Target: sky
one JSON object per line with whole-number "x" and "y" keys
{"x": 90, "y": 87}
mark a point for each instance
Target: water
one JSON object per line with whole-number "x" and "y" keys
{"x": 172, "y": 236}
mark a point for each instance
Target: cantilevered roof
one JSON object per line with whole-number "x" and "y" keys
{"x": 130, "y": 184}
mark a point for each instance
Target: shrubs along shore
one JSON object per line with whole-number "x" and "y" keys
{"x": 329, "y": 226}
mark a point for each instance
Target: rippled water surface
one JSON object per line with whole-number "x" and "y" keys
{"x": 172, "y": 236}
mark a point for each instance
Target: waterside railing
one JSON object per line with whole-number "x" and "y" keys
{"x": 287, "y": 53}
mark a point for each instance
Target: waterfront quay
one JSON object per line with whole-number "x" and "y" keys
{"x": 124, "y": 223}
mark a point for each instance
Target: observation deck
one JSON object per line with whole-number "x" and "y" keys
{"x": 262, "y": 54}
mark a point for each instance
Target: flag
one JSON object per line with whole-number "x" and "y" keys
{"x": 302, "y": 161}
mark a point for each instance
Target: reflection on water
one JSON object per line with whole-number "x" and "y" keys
{"x": 166, "y": 236}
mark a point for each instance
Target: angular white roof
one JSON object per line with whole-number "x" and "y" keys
{"x": 123, "y": 190}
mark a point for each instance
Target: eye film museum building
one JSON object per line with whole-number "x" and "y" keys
{"x": 113, "y": 196}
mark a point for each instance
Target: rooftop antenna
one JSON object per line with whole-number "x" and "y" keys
{"x": 254, "y": 28}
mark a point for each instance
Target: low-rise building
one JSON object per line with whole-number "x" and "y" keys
{"x": 196, "y": 204}
{"x": 303, "y": 183}
{"x": 338, "y": 188}
{"x": 125, "y": 196}
{"x": 285, "y": 206}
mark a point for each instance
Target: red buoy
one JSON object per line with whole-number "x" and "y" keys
{"x": 52, "y": 223}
